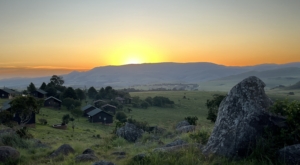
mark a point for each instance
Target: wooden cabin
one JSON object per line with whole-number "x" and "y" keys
{"x": 86, "y": 109}
{"x": 109, "y": 108}
{"x": 39, "y": 93}
{"x": 52, "y": 102}
{"x": 99, "y": 116}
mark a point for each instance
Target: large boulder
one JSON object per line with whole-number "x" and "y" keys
{"x": 186, "y": 129}
{"x": 130, "y": 132}
{"x": 8, "y": 153}
{"x": 182, "y": 123}
{"x": 290, "y": 155}
{"x": 242, "y": 119}
{"x": 64, "y": 149}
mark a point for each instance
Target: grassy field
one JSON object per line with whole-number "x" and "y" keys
{"x": 85, "y": 133}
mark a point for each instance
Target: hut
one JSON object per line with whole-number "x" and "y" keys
{"x": 52, "y": 102}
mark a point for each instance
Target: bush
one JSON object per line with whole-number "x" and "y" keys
{"x": 43, "y": 121}
{"x": 192, "y": 120}
{"x": 121, "y": 116}
{"x": 144, "y": 105}
{"x": 200, "y": 137}
{"x": 65, "y": 119}
{"x": 161, "y": 101}
{"x": 213, "y": 106}
{"x": 140, "y": 124}
{"x": 13, "y": 140}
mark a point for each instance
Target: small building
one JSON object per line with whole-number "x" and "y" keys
{"x": 99, "y": 103}
{"x": 39, "y": 93}
{"x": 109, "y": 108}
{"x": 123, "y": 100}
{"x": 7, "y": 93}
{"x": 99, "y": 116}
{"x": 52, "y": 102}
{"x": 86, "y": 109}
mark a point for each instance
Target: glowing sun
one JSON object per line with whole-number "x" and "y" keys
{"x": 133, "y": 60}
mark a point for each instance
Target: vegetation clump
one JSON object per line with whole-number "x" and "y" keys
{"x": 213, "y": 106}
{"x": 191, "y": 120}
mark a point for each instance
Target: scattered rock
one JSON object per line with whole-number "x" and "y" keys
{"x": 176, "y": 143}
{"x": 103, "y": 162}
{"x": 120, "y": 157}
{"x": 64, "y": 149}
{"x": 8, "y": 153}
{"x": 118, "y": 153}
{"x": 241, "y": 121}
{"x": 290, "y": 155}
{"x": 178, "y": 147}
{"x": 86, "y": 158}
{"x": 139, "y": 157}
{"x": 182, "y": 123}
{"x": 88, "y": 151}
{"x": 130, "y": 132}
{"x": 186, "y": 129}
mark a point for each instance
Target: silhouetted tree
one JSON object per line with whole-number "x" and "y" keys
{"x": 121, "y": 116}
{"x": 51, "y": 91}
{"x": 213, "y": 106}
{"x": 92, "y": 92}
{"x": 43, "y": 86}
{"x": 70, "y": 103}
{"x": 57, "y": 80}
{"x": 31, "y": 88}
{"x": 69, "y": 93}
{"x": 80, "y": 94}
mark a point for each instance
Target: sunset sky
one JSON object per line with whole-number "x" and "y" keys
{"x": 82, "y": 35}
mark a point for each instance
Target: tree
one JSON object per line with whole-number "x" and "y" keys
{"x": 80, "y": 94}
{"x": 57, "y": 80}
{"x": 24, "y": 107}
{"x": 213, "y": 106}
{"x": 192, "y": 120}
{"x": 43, "y": 86}
{"x": 149, "y": 100}
{"x": 121, "y": 116}
{"x": 31, "y": 88}
{"x": 69, "y": 93}
{"x": 65, "y": 119}
{"x": 51, "y": 91}
{"x": 70, "y": 103}
{"x": 92, "y": 92}
{"x": 144, "y": 104}
{"x": 77, "y": 113}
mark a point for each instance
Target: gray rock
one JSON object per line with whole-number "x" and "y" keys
{"x": 86, "y": 158}
{"x": 8, "y": 153}
{"x": 88, "y": 151}
{"x": 186, "y": 129}
{"x": 64, "y": 149}
{"x": 121, "y": 157}
{"x": 182, "y": 123}
{"x": 290, "y": 155}
{"x": 178, "y": 147}
{"x": 130, "y": 132}
{"x": 176, "y": 143}
{"x": 118, "y": 153}
{"x": 103, "y": 162}
{"x": 242, "y": 118}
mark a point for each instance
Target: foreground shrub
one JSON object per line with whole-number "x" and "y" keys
{"x": 213, "y": 106}
{"x": 191, "y": 120}
{"x": 200, "y": 136}
{"x": 14, "y": 140}
{"x": 43, "y": 121}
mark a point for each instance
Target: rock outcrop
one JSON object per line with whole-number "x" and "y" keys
{"x": 290, "y": 155}
{"x": 242, "y": 119}
{"x": 182, "y": 123}
{"x": 186, "y": 129}
{"x": 88, "y": 151}
{"x": 8, "y": 153}
{"x": 130, "y": 132}
{"x": 64, "y": 149}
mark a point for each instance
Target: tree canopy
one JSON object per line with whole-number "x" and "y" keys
{"x": 57, "y": 80}
{"x": 31, "y": 88}
{"x": 24, "y": 107}
{"x": 43, "y": 86}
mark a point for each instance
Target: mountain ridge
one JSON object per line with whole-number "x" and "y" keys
{"x": 148, "y": 73}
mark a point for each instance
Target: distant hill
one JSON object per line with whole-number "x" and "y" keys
{"x": 295, "y": 86}
{"x": 139, "y": 74}
{"x": 272, "y": 78}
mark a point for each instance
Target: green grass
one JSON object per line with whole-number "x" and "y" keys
{"x": 84, "y": 133}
